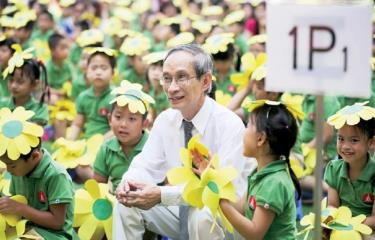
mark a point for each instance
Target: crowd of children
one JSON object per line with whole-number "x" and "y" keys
{"x": 107, "y": 62}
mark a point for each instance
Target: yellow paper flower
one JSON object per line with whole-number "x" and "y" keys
{"x": 21, "y": 18}
{"x": 351, "y": 115}
{"x": 309, "y": 155}
{"x": 124, "y": 14}
{"x": 90, "y": 37}
{"x": 93, "y": 211}
{"x": 41, "y": 49}
{"x": 18, "y": 59}
{"x": 171, "y": 20}
{"x": 297, "y": 168}
{"x": 10, "y": 219}
{"x": 180, "y": 39}
{"x": 222, "y": 98}
{"x": 261, "y": 38}
{"x": 202, "y": 26}
{"x": 234, "y": 17}
{"x": 154, "y": 57}
{"x": 258, "y": 103}
{"x": 63, "y": 110}
{"x": 136, "y": 45}
{"x": 6, "y": 21}
{"x": 107, "y": 51}
{"x": 80, "y": 152}
{"x": 218, "y": 42}
{"x": 66, "y": 3}
{"x": 141, "y": 6}
{"x": 131, "y": 94}
{"x": 294, "y": 100}
{"x": 259, "y": 73}
{"x": 2, "y": 38}
{"x": 212, "y": 11}
{"x": 17, "y": 135}
{"x": 112, "y": 26}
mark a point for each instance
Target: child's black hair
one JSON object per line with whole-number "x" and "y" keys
{"x": 8, "y": 42}
{"x": 281, "y": 130}
{"x": 26, "y": 157}
{"x": 54, "y": 40}
{"x": 223, "y": 56}
{"x": 29, "y": 26}
{"x": 83, "y": 25}
{"x": 36, "y": 70}
{"x": 47, "y": 13}
{"x": 111, "y": 59}
{"x": 367, "y": 127}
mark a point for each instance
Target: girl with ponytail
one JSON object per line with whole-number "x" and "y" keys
{"x": 28, "y": 84}
{"x": 267, "y": 210}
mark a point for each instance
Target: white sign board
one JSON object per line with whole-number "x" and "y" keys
{"x": 323, "y": 49}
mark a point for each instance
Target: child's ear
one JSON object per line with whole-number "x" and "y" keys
{"x": 261, "y": 139}
{"x": 36, "y": 154}
{"x": 372, "y": 144}
{"x": 145, "y": 123}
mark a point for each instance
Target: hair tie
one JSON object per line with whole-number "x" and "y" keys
{"x": 287, "y": 126}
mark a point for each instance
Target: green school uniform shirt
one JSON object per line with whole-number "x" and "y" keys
{"x": 132, "y": 76}
{"x": 122, "y": 63}
{"x": 161, "y": 101}
{"x": 78, "y": 84}
{"x": 226, "y": 84}
{"x": 241, "y": 43}
{"x": 272, "y": 188}
{"x": 47, "y": 184}
{"x": 358, "y": 195}
{"x": 307, "y": 129}
{"x": 4, "y": 90}
{"x": 111, "y": 162}
{"x": 58, "y": 76}
{"x": 95, "y": 110}
{"x": 75, "y": 55}
{"x": 41, "y": 111}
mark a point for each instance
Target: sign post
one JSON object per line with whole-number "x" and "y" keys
{"x": 319, "y": 47}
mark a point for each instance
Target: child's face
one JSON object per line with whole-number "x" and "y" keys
{"x": 250, "y": 137}
{"x": 44, "y": 23}
{"x": 20, "y": 167}
{"x": 99, "y": 71}
{"x": 352, "y": 144}
{"x": 22, "y": 34}
{"x": 138, "y": 64}
{"x": 61, "y": 51}
{"x": 126, "y": 126}
{"x": 5, "y": 55}
{"x": 257, "y": 48}
{"x": 223, "y": 65}
{"x": 154, "y": 74}
{"x": 20, "y": 85}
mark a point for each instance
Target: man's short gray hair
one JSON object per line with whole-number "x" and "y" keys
{"x": 202, "y": 61}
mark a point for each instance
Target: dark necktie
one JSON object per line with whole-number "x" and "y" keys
{"x": 184, "y": 210}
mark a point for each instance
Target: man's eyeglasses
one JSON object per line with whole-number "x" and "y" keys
{"x": 180, "y": 80}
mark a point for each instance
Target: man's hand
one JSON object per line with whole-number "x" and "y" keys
{"x": 140, "y": 195}
{"x": 199, "y": 162}
{"x": 9, "y": 206}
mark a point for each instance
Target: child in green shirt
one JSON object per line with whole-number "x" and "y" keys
{"x": 351, "y": 178}
{"x": 24, "y": 81}
{"x": 6, "y": 52}
{"x": 127, "y": 124}
{"x": 267, "y": 211}
{"x": 59, "y": 70}
{"x": 93, "y": 104}
{"x": 35, "y": 175}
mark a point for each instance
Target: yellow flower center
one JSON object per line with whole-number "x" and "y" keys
{"x": 352, "y": 110}
{"x": 102, "y": 209}
{"x": 12, "y": 129}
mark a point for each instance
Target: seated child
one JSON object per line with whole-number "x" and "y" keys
{"x": 351, "y": 178}
{"x": 35, "y": 175}
{"x": 23, "y": 82}
{"x": 6, "y": 52}
{"x": 93, "y": 104}
{"x": 127, "y": 123}
{"x": 267, "y": 210}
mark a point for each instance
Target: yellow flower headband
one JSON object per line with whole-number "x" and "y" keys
{"x": 107, "y": 51}
{"x": 131, "y": 94}
{"x": 202, "y": 26}
{"x": 89, "y": 37}
{"x": 258, "y": 103}
{"x": 261, "y": 38}
{"x": 233, "y": 17}
{"x": 180, "y": 39}
{"x": 218, "y": 42}
{"x": 155, "y": 57}
{"x": 351, "y": 115}
{"x": 66, "y": 3}
{"x": 124, "y": 14}
{"x": 18, "y": 59}
{"x": 259, "y": 73}
{"x": 212, "y": 11}
{"x": 135, "y": 46}
{"x": 20, "y": 19}
{"x": 17, "y": 135}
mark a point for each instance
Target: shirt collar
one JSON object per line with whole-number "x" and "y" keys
{"x": 200, "y": 120}
{"x": 115, "y": 146}
{"x": 275, "y": 166}
{"x": 42, "y": 166}
{"x": 92, "y": 93}
{"x": 367, "y": 172}
{"x": 28, "y": 105}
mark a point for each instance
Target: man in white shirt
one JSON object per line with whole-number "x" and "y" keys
{"x": 187, "y": 76}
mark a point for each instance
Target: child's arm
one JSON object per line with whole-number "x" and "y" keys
{"x": 52, "y": 219}
{"x": 77, "y": 125}
{"x": 333, "y": 197}
{"x": 250, "y": 229}
{"x": 100, "y": 178}
{"x": 370, "y": 220}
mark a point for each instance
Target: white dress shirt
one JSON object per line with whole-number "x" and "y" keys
{"x": 221, "y": 131}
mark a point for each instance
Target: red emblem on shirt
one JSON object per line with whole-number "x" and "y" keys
{"x": 312, "y": 116}
{"x": 42, "y": 197}
{"x": 252, "y": 202}
{"x": 368, "y": 198}
{"x": 103, "y": 112}
{"x": 231, "y": 88}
